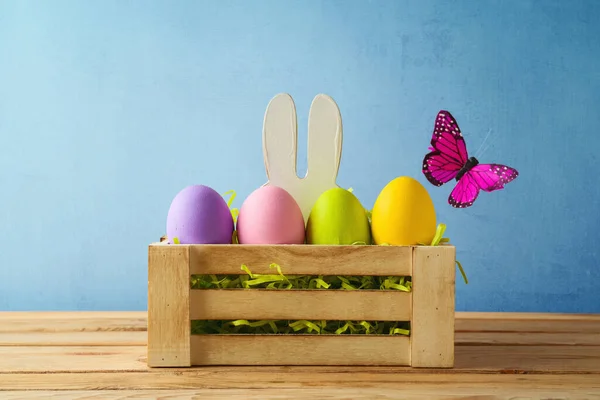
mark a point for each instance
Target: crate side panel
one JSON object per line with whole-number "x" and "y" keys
{"x": 300, "y": 350}
{"x": 250, "y": 304}
{"x": 168, "y": 306}
{"x": 302, "y": 259}
{"x": 433, "y": 306}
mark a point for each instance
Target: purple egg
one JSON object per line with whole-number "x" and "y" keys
{"x": 199, "y": 215}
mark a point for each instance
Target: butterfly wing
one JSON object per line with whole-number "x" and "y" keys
{"x": 486, "y": 177}
{"x": 490, "y": 177}
{"x": 449, "y": 151}
{"x": 465, "y": 192}
{"x": 439, "y": 168}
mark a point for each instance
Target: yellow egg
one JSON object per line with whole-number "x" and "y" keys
{"x": 403, "y": 214}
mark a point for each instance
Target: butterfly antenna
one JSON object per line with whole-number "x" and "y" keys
{"x": 479, "y": 153}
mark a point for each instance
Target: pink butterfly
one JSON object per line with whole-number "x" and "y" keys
{"x": 449, "y": 159}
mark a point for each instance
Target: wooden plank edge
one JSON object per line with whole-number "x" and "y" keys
{"x": 532, "y": 323}
{"x": 320, "y": 350}
{"x": 168, "y": 307}
{"x": 139, "y": 338}
{"x": 302, "y": 259}
{"x": 260, "y": 304}
{"x": 527, "y": 316}
{"x": 62, "y": 339}
{"x": 433, "y": 307}
{"x": 337, "y": 393}
{"x": 287, "y": 378}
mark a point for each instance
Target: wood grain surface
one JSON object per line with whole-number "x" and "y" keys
{"x": 81, "y": 355}
{"x": 301, "y": 259}
{"x": 291, "y": 350}
{"x": 168, "y": 306}
{"x": 306, "y": 393}
{"x": 432, "y": 322}
{"x": 257, "y": 304}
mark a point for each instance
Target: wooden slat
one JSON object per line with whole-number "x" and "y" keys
{"x": 168, "y": 306}
{"x": 72, "y": 358}
{"x": 432, "y": 326}
{"x": 220, "y": 379}
{"x": 502, "y": 359}
{"x": 434, "y": 391}
{"x": 73, "y": 328}
{"x": 299, "y": 350}
{"x": 526, "y": 338}
{"x": 369, "y": 305}
{"x": 72, "y": 321}
{"x": 302, "y": 259}
{"x": 105, "y": 338}
{"x": 472, "y": 359}
{"x": 527, "y": 322}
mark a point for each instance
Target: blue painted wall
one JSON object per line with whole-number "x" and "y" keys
{"x": 108, "y": 109}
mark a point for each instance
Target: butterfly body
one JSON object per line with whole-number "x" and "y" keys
{"x": 449, "y": 159}
{"x": 471, "y": 162}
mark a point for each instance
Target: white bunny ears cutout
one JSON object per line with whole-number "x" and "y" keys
{"x": 280, "y": 138}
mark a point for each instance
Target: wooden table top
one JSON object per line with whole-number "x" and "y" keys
{"x": 102, "y": 355}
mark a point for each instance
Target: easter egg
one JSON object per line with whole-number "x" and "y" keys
{"x": 403, "y": 214}
{"x": 338, "y": 217}
{"x": 270, "y": 215}
{"x": 199, "y": 215}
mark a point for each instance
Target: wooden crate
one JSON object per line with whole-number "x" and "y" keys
{"x": 429, "y": 307}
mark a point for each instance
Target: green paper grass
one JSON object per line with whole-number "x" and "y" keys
{"x": 303, "y": 327}
{"x": 280, "y": 281}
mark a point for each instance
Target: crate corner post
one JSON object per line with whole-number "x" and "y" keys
{"x": 432, "y": 322}
{"x": 169, "y": 326}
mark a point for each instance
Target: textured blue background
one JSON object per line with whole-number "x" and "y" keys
{"x": 108, "y": 109}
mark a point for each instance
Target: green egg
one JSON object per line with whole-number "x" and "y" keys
{"x": 338, "y": 217}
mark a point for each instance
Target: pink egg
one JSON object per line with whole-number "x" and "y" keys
{"x": 270, "y": 215}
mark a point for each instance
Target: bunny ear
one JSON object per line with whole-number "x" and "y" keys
{"x": 324, "y": 140}
{"x": 280, "y": 136}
